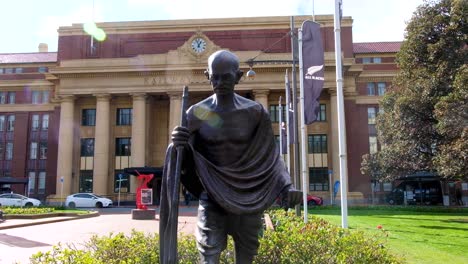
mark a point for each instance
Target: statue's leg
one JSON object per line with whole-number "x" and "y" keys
{"x": 245, "y": 230}
{"x": 211, "y": 231}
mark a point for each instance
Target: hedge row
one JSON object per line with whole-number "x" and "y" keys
{"x": 292, "y": 241}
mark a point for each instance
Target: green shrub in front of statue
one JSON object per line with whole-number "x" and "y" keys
{"x": 292, "y": 241}
{"x": 318, "y": 241}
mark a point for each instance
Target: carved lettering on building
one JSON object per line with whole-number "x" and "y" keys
{"x": 174, "y": 79}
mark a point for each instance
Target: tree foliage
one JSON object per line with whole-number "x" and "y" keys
{"x": 424, "y": 124}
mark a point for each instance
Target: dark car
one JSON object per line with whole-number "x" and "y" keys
{"x": 417, "y": 192}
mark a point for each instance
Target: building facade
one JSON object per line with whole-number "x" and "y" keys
{"x": 112, "y": 104}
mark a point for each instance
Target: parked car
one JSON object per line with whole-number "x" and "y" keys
{"x": 87, "y": 200}
{"x": 417, "y": 192}
{"x": 14, "y": 199}
{"x": 314, "y": 200}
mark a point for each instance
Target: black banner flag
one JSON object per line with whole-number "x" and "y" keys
{"x": 313, "y": 65}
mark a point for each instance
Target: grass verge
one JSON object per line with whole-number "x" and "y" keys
{"x": 419, "y": 234}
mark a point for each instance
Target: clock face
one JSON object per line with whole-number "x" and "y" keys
{"x": 198, "y": 45}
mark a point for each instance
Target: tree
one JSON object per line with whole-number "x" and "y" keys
{"x": 424, "y": 124}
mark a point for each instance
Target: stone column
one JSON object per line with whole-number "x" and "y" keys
{"x": 101, "y": 145}
{"x": 261, "y": 96}
{"x": 174, "y": 111}
{"x": 138, "y": 135}
{"x": 65, "y": 147}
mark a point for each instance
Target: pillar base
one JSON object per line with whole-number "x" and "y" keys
{"x": 140, "y": 214}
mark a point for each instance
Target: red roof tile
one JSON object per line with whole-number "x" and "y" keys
{"x": 377, "y": 47}
{"x": 35, "y": 57}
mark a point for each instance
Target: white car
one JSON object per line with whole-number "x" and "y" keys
{"x": 14, "y": 199}
{"x": 87, "y": 200}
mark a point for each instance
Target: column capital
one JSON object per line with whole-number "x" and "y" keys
{"x": 66, "y": 98}
{"x": 102, "y": 96}
{"x": 139, "y": 96}
{"x": 174, "y": 95}
{"x": 261, "y": 92}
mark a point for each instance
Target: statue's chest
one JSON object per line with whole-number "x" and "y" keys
{"x": 227, "y": 128}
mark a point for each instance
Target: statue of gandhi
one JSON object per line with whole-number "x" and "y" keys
{"x": 231, "y": 164}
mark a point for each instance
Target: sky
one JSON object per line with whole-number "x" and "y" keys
{"x": 26, "y": 23}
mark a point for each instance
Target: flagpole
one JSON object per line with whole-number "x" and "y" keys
{"x": 288, "y": 134}
{"x": 294, "y": 107}
{"x": 303, "y": 132}
{"x": 280, "y": 127}
{"x": 341, "y": 120}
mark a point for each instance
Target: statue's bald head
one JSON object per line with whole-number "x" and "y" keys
{"x": 223, "y": 61}
{"x": 223, "y": 57}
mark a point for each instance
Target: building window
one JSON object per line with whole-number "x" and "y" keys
{"x": 87, "y": 147}
{"x": 3, "y": 97}
{"x": 41, "y": 183}
{"x": 33, "y": 151}
{"x": 2, "y": 123}
{"x": 318, "y": 144}
{"x": 45, "y": 122}
{"x": 9, "y": 70}
{"x": 88, "y": 117}
{"x": 274, "y": 117}
{"x": 371, "y": 113}
{"x": 18, "y": 70}
{"x": 86, "y": 181}
{"x": 2, "y": 150}
{"x": 372, "y": 144}
{"x": 368, "y": 60}
{"x": 322, "y": 116}
{"x": 45, "y": 97}
{"x": 32, "y": 182}
{"x": 370, "y": 88}
{"x": 1, "y": 70}
{"x": 318, "y": 179}
{"x": 11, "y": 97}
{"x": 387, "y": 186}
{"x": 35, "y": 98}
{"x": 381, "y": 87}
{"x": 11, "y": 123}
{"x": 42, "y": 69}
{"x": 43, "y": 150}
{"x": 35, "y": 122}
{"x": 123, "y": 179}
{"x": 9, "y": 151}
{"x": 123, "y": 146}
{"x": 124, "y": 116}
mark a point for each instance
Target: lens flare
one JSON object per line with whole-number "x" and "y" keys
{"x": 211, "y": 118}
{"x": 97, "y": 33}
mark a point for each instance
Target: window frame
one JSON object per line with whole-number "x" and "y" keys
{"x": 124, "y": 116}
{"x": 88, "y": 117}
{"x": 323, "y": 144}
{"x": 120, "y": 149}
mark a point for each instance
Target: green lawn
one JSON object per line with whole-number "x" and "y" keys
{"x": 420, "y": 235}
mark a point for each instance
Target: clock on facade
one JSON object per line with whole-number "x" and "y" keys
{"x": 198, "y": 45}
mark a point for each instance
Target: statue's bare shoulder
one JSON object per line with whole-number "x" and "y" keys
{"x": 205, "y": 109}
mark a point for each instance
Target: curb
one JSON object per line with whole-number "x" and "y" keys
{"x": 48, "y": 221}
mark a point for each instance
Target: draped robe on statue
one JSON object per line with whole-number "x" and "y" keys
{"x": 247, "y": 186}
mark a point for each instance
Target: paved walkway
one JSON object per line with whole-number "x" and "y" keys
{"x": 20, "y": 238}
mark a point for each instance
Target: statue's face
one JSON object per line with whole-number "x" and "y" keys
{"x": 223, "y": 77}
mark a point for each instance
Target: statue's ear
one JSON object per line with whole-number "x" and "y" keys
{"x": 207, "y": 74}
{"x": 239, "y": 76}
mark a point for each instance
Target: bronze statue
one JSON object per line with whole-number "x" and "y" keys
{"x": 231, "y": 163}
